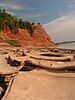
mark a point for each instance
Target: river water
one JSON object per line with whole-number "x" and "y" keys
{"x": 66, "y": 45}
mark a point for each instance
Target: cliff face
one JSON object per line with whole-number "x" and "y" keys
{"x": 39, "y": 38}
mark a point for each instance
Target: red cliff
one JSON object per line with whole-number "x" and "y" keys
{"x": 39, "y": 38}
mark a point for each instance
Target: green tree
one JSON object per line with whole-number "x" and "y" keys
{"x": 14, "y": 23}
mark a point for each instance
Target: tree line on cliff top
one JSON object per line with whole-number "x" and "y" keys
{"x": 14, "y": 23}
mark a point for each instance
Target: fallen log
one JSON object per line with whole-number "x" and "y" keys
{"x": 19, "y": 59}
{"x": 7, "y": 69}
{"x": 52, "y": 64}
{"x": 50, "y": 53}
{"x": 53, "y": 54}
{"x": 37, "y": 56}
{"x": 8, "y": 89}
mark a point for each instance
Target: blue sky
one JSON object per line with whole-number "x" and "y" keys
{"x": 41, "y": 11}
{"x": 57, "y": 16}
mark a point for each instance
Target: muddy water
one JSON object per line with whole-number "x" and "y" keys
{"x": 66, "y": 45}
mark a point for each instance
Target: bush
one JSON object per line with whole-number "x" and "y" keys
{"x": 13, "y": 42}
{"x": 26, "y": 25}
{"x": 14, "y": 23}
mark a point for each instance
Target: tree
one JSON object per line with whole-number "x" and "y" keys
{"x": 13, "y": 23}
{"x": 4, "y": 11}
{"x": 33, "y": 23}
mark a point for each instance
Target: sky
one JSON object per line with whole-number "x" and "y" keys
{"x": 56, "y": 16}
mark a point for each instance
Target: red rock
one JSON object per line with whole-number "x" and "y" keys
{"x": 39, "y": 38}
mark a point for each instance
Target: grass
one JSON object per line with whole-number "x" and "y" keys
{"x": 13, "y": 42}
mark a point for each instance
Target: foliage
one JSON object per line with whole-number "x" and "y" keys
{"x": 13, "y": 42}
{"x": 14, "y": 23}
{"x": 38, "y": 23}
{"x": 26, "y": 25}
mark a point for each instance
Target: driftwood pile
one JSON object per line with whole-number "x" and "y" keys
{"x": 23, "y": 60}
{"x": 52, "y": 60}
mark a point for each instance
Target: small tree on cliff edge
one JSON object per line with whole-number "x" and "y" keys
{"x": 28, "y": 26}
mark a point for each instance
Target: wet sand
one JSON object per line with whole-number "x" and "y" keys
{"x": 42, "y": 85}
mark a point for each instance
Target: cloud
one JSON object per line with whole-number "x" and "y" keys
{"x": 70, "y": 6}
{"x": 16, "y": 8}
{"x": 38, "y": 15}
{"x": 15, "y": 5}
{"x": 62, "y": 29}
{"x": 32, "y": 16}
{"x": 31, "y": 0}
{"x": 73, "y": 1}
{"x": 10, "y": 6}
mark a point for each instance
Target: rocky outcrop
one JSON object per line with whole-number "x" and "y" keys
{"x": 39, "y": 38}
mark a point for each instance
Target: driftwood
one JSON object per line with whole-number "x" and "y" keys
{"x": 6, "y": 68}
{"x": 49, "y": 53}
{"x": 37, "y": 56}
{"x": 53, "y": 54}
{"x": 19, "y": 59}
{"x": 9, "y": 70}
{"x": 8, "y": 89}
{"x": 1, "y": 90}
{"x": 52, "y": 64}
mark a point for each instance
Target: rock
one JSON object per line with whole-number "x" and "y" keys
{"x": 39, "y": 38}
